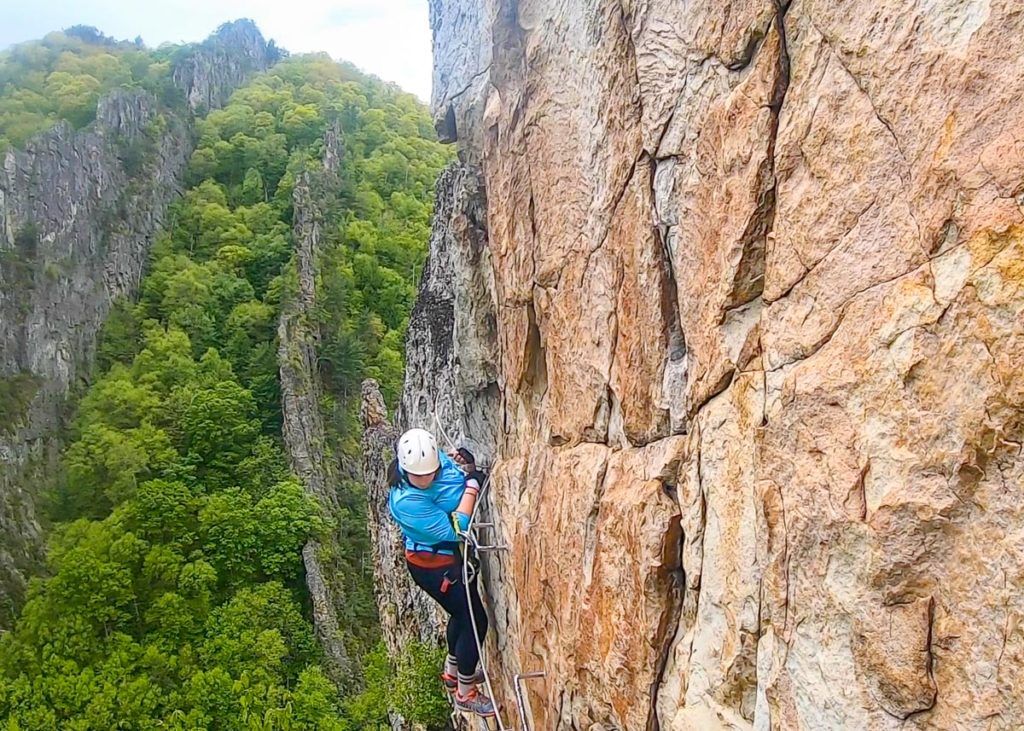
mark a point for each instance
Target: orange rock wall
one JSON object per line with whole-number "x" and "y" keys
{"x": 757, "y": 279}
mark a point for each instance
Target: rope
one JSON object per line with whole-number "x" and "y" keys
{"x": 470, "y": 540}
{"x": 472, "y": 613}
{"x": 452, "y": 447}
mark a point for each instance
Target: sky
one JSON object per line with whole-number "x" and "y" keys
{"x": 388, "y": 38}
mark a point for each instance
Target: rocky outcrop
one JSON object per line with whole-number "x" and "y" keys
{"x": 301, "y": 398}
{"x": 78, "y": 211}
{"x": 223, "y": 62}
{"x": 759, "y": 337}
{"x": 451, "y": 381}
{"x": 76, "y": 225}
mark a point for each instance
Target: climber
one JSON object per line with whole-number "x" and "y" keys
{"x": 432, "y": 494}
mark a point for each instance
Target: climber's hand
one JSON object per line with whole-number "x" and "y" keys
{"x": 465, "y": 459}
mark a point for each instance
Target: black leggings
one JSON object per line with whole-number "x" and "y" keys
{"x": 451, "y": 595}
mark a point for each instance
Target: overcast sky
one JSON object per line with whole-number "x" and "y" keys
{"x": 388, "y": 38}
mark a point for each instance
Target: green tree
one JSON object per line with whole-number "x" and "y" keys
{"x": 63, "y": 76}
{"x": 174, "y": 595}
{"x": 74, "y": 97}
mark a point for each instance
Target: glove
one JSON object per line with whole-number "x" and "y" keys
{"x": 464, "y": 458}
{"x": 461, "y": 522}
{"x": 479, "y": 476}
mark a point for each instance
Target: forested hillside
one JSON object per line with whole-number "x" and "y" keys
{"x": 175, "y": 595}
{"x": 63, "y": 76}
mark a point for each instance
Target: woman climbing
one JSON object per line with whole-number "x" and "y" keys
{"x": 431, "y": 494}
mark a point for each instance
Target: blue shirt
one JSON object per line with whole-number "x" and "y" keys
{"x": 424, "y": 515}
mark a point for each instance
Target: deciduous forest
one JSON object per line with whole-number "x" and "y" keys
{"x": 173, "y": 595}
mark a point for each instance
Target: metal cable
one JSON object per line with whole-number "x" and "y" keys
{"x": 470, "y": 540}
{"x": 472, "y": 613}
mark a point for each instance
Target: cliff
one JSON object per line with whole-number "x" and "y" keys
{"x": 301, "y": 396}
{"x": 755, "y": 277}
{"x": 78, "y": 212}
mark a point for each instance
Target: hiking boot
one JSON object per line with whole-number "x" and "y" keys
{"x": 451, "y": 683}
{"x": 475, "y": 702}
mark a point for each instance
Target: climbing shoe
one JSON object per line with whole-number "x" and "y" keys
{"x": 474, "y": 702}
{"x": 451, "y": 683}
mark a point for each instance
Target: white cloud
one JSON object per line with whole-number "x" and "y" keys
{"x": 388, "y": 38}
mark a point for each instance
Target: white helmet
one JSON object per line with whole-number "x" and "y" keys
{"x": 417, "y": 452}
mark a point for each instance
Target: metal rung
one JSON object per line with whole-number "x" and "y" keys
{"x": 501, "y": 547}
{"x": 520, "y": 703}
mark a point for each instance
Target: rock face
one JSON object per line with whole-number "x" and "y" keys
{"x": 451, "y": 386}
{"x": 758, "y": 345}
{"x": 75, "y": 235}
{"x": 301, "y": 396}
{"x": 78, "y": 211}
{"x": 222, "y": 63}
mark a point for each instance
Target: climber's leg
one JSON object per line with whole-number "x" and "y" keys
{"x": 450, "y": 674}
{"x": 437, "y": 582}
{"x": 468, "y": 652}
{"x": 446, "y": 587}
{"x": 452, "y": 636}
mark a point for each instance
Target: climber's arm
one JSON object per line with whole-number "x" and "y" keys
{"x": 474, "y": 482}
{"x": 465, "y": 510}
